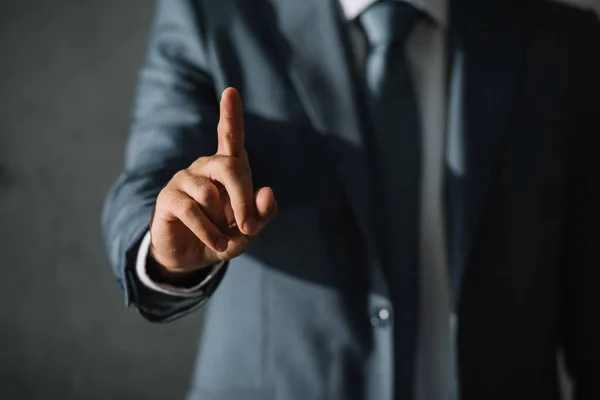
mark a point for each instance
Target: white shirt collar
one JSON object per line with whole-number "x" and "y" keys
{"x": 436, "y": 9}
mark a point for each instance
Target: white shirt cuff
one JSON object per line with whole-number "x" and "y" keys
{"x": 140, "y": 267}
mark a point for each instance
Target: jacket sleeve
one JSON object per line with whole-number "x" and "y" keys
{"x": 175, "y": 119}
{"x": 581, "y": 300}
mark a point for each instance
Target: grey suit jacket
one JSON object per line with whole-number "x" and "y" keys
{"x": 296, "y": 317}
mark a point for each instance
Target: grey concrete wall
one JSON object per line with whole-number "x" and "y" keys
{"x": 67, "y": 70}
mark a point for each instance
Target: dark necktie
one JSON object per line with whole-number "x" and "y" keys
{"x": 397, "y": 153}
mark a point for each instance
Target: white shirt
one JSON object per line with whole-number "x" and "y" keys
{"x": 140, "y": 267}
{"x": 435, "y": 377}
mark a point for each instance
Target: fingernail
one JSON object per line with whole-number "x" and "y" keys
{"x": 250, "y": 225}
{"x": 222, "y": 245}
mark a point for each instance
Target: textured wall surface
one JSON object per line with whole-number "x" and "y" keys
{"x": 67, "y": 70}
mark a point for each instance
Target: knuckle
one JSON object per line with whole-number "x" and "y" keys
{"x": 206, "y": 194}
{"x": 180, "y": 204}
{"x": 245, "y": 203}
{"x": 165, "y": 197}
{"x": 187, "y": 208}
{"x": 170, "y": 199}
{"x": 228, "y": 135}
{"x": 193, "y": 182}
{"x": 180, "y": 176}
{"x": 224, "y": 126}
{"x": 167, "y": 203}
{"x": 199, "y": 163}
{"x": 229, "y": 165}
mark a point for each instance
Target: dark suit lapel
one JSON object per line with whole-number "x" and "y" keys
{"x": 490, "y": 37}
{"x": 320, "y": 67}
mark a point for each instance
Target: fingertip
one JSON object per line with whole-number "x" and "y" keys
{"x": 250, "y": 226}
{"x": 230, "y": 93}
{"x": 226, "y": 103}
{"x": 231, "y": 103}
{"x": 221, "y": 245}
{"x": 226, "y": 92}
{"x": 265, "y": 201}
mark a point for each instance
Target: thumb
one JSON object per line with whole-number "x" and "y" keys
{"x": 266, "y": 205}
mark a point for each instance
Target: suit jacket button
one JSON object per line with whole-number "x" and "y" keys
{"x": 381, "y": 317}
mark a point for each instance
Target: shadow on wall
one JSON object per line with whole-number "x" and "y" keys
{"x": 67, "y": 76}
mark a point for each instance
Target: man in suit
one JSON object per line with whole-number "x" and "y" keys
{"x": 433, "y": 170}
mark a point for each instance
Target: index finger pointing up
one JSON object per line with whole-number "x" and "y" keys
{"x": 231, "y": 124}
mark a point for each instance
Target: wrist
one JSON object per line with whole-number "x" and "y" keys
{"x": 161, "y": 274}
